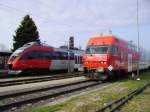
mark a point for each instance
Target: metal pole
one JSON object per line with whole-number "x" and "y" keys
{"x": 138, "y": 38}
{"x": 68, "y": 58}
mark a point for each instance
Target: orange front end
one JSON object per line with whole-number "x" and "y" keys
{"x": 100, "y": 57}
{"x": 96, "y": 60}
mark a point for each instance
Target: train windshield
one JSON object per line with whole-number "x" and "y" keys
{"x": 98, "y": 49}
{"x": 15, "y": 54}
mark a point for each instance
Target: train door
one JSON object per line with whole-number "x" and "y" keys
{"x": 129, "y": 62}
{"x": 78, "y": 63}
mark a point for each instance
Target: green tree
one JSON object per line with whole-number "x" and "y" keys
{"x": 26, "y": 32}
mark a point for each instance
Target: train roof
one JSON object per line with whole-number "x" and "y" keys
{"x": 104, "y": 39}
{"x": 110, "y": 39}
{"x": 36, "y": 44}
{"x": 61, "y": 49}
{"x": 31, "y": 44}
{"x": 104, "y": 35}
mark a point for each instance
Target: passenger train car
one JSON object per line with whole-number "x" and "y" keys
{"x": 35, "y": 57}
{"x": 108, "y": 55}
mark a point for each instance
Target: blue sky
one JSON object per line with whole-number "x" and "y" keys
{"x": 58, "y": 19}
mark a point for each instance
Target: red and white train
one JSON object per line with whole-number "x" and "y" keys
{"x": 107, "y": 55}
{"x": 35, "y": 57}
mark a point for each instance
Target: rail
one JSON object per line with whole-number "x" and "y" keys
{"x": 22, "y": 98}
{"x": 34, "y": 80}
{"x": 115, "y": 105}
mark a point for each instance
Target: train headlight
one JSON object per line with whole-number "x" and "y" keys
{"x": 102, "y": 62}
{"x": 86, "y": 62}
{"x": 105, "y": 62}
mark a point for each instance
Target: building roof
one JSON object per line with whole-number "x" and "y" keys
{"x": 3, "y": 53}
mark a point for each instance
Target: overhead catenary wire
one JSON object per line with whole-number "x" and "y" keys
{"x": 22, "y": 11}
{"x": 45, "y": 20}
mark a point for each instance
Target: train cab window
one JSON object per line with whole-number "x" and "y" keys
{"x": 102, "y": 49}
{"x": 15, "y": 54}
{"x": 97, "y": 49}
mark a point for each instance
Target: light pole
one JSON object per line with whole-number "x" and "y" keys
{"x": 68, "y": 58}
{"x": 138, "y": 39}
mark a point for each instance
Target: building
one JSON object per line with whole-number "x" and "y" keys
{"x": 4, "y": 55}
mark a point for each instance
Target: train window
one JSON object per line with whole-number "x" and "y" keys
{"x": 97, "y": 49}
{"x": 88, "y": 50}
{"x": 30, "y": 55}
{"x": 63, "y": 55}
{"x": 101, "y": 49}
{"x": 46, "y": 55}
{"x": 71, "y": 55}
{"x": 38, "y": 54}
{"x": 55, "y": 55}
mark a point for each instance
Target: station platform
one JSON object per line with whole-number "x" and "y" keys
{"x": 40, "y": 84}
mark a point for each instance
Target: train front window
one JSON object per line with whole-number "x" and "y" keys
{"x": 15, "y": 54}
{"x": 97, "y": 49}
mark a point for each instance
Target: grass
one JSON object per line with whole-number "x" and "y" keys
{"x": 140, "y": 103}
{"x": 91, "y": 101}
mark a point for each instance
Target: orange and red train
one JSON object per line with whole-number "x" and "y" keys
{"x": 108, "y": 56}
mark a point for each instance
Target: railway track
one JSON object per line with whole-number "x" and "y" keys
{"x": 117, "y": 104}
{"x": 17, "y": 99}
{"x": 34, "y": 80}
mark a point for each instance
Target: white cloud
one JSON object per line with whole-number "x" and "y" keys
{"x": 3, "y": 47}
